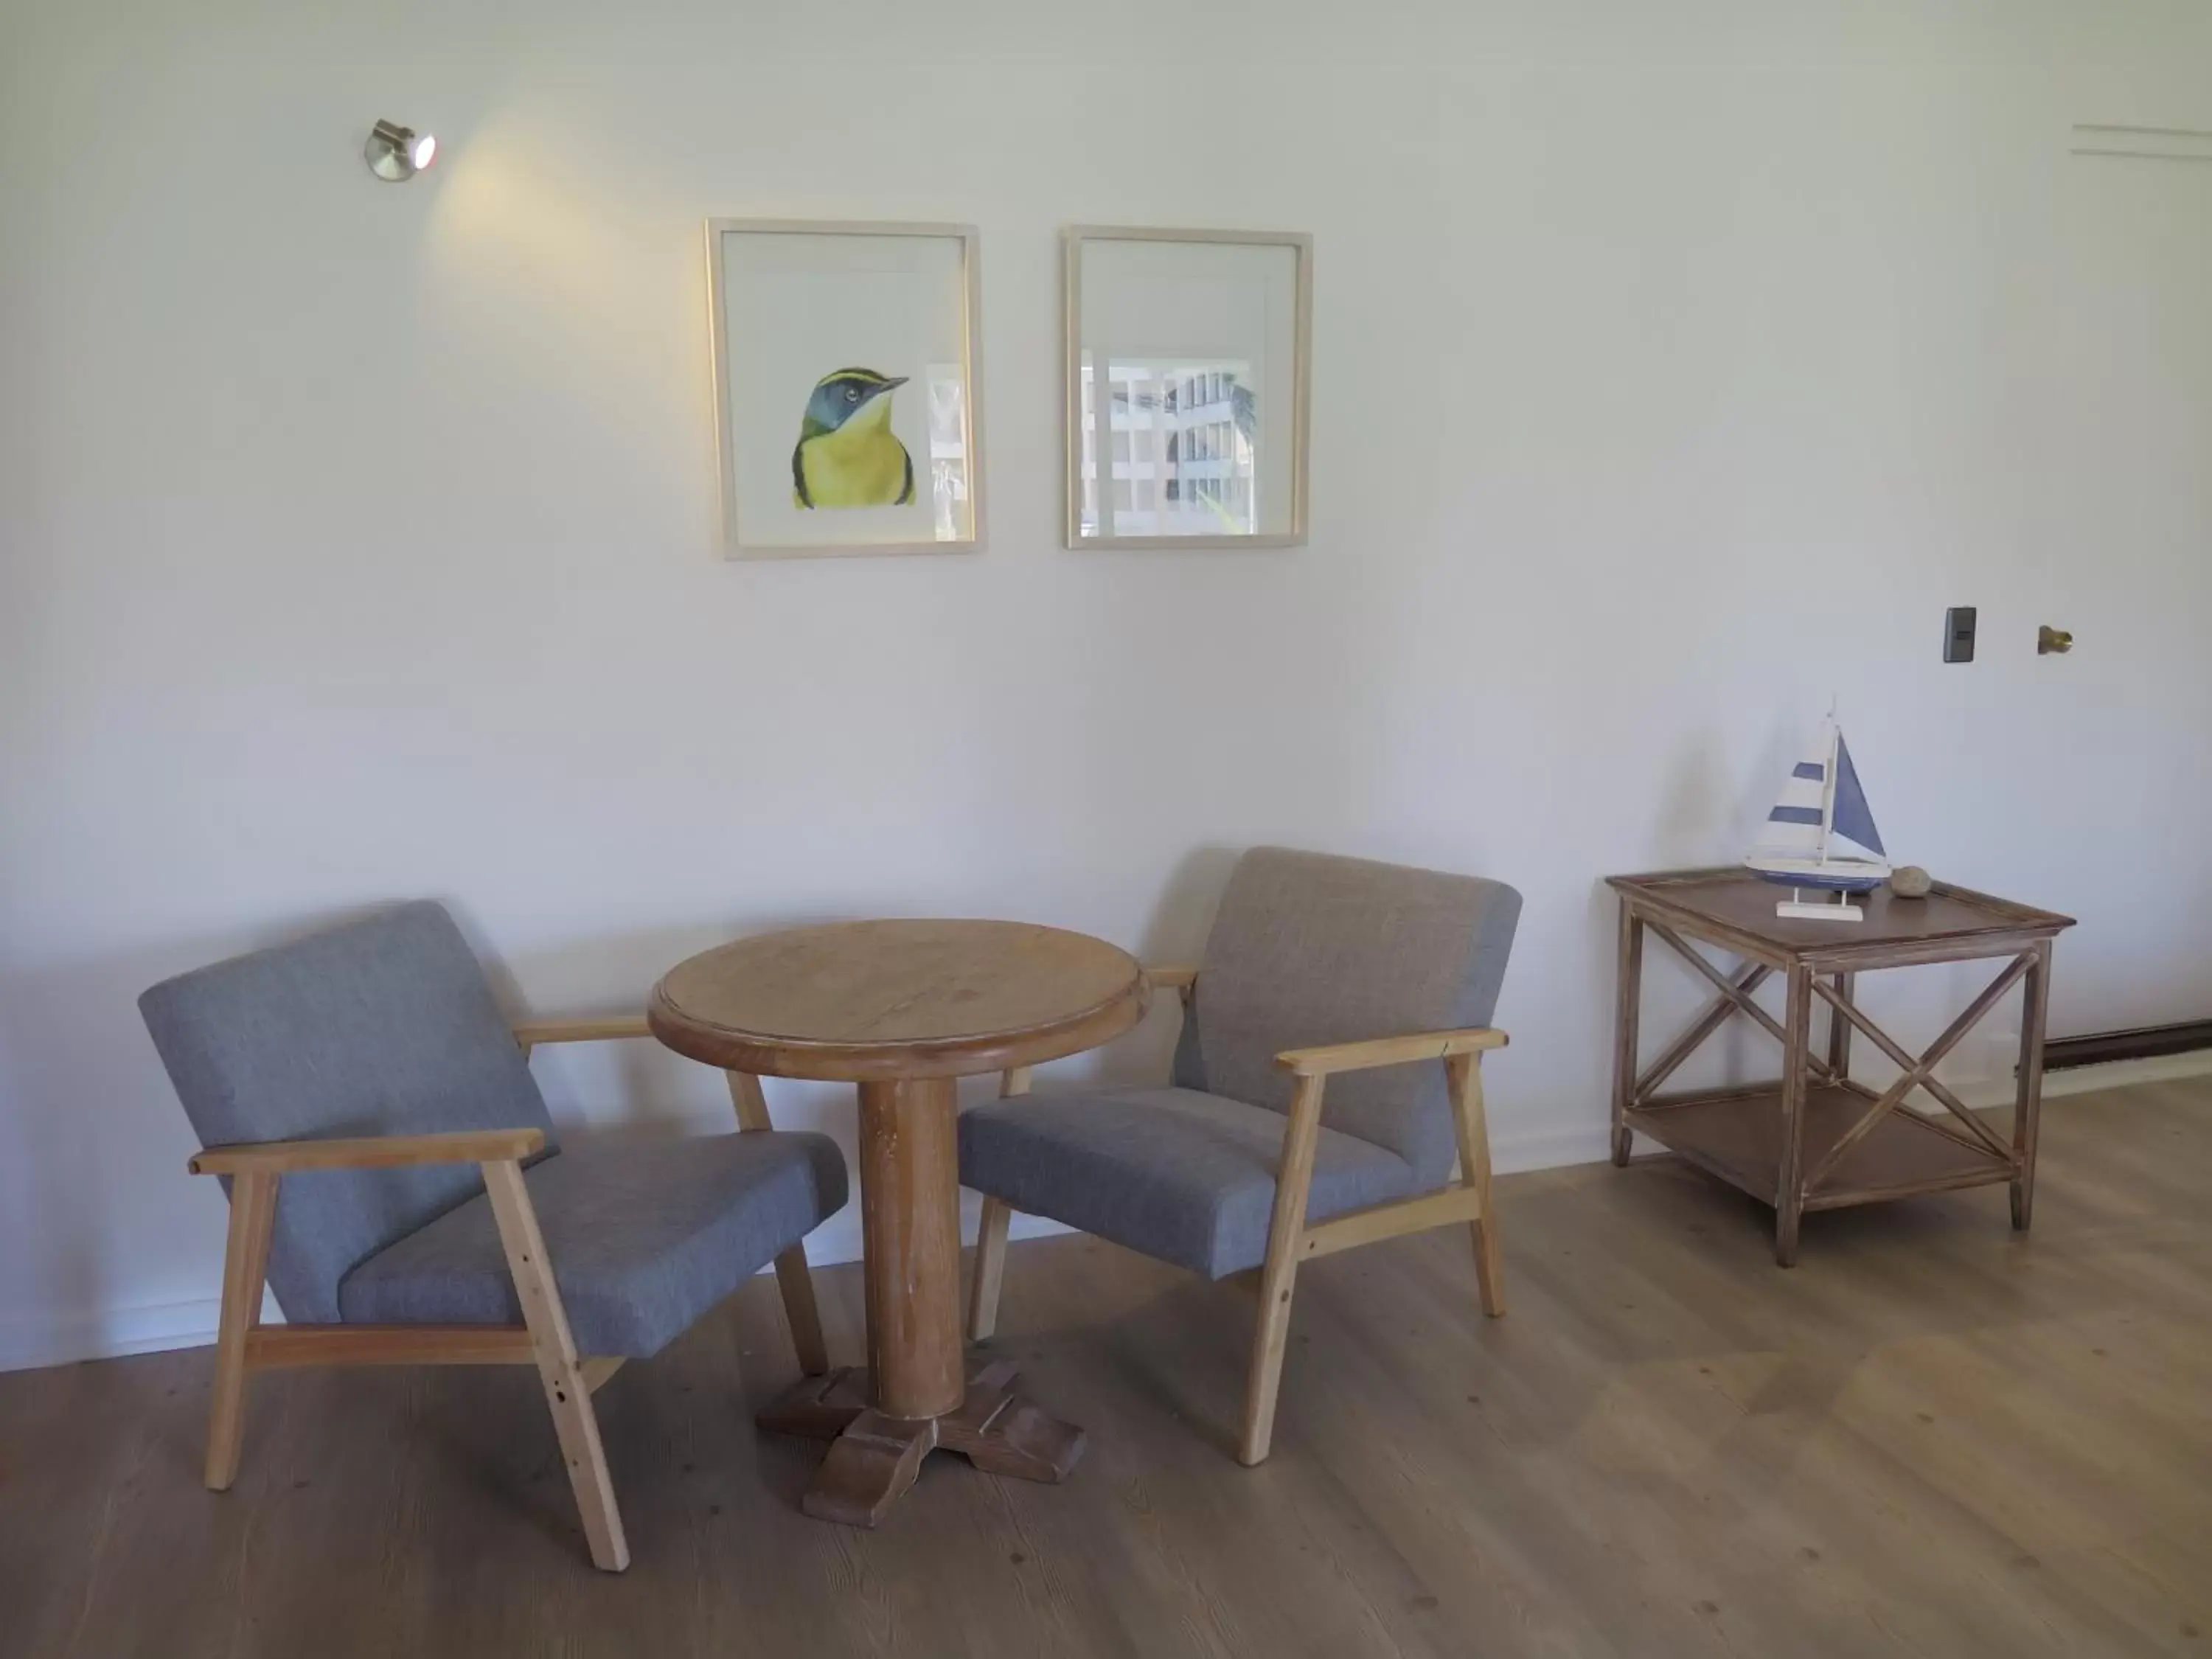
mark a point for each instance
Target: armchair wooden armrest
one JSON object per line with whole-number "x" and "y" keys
{"x": 1335, "y": 1057}
{"x": 1291, "y": 1240}
{"x": 613, "y": 1028}
{"x": 274, "y": 1157}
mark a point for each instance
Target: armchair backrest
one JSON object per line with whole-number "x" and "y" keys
{"x": 1309, "y": 949}
{"x": 385, "y": 1026}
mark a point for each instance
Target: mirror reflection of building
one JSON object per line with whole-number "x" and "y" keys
{"x": 1183, "y": 447}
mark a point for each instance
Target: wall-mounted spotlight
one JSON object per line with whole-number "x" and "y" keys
{"x": 397, "y": 152}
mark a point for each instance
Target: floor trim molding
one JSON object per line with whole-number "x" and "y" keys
{"x": 2109, "y": 1074}
{"x": 27, "y": 1342}
{"x": 2135, "y": 1042}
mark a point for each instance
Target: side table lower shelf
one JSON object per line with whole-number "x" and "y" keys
{"x": 1737, "y": 1135}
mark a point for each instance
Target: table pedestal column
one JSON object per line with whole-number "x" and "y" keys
{"x": 910, "y": 1230}
{"x": 915, "y": 1395}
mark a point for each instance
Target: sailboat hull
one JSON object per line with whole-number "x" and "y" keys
{"x": 1831, "y": 875}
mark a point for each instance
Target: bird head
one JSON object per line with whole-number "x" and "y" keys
{"x": 850, "y": 397}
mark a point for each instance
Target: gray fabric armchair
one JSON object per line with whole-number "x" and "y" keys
{"x": 1381, "y": 977}
{"x": 367, "y": 1069}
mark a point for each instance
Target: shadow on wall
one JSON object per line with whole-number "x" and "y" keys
{"x": 95, "y": 1142}
{"x": 658, "y": 1089}
{"x": 110, "y": 1245}
{"x": 1173, "y": 936}
{"x": 661, "y": 1088}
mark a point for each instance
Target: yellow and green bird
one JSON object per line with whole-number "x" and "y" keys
{"x": 847, "y": 454}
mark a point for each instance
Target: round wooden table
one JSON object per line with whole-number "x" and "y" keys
{"x": 904, "y": 1009}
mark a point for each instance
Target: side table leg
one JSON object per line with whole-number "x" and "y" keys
{"x": 1796, "y": 1061}
{"x": 1839, "y": 1030}
{"x": 1629, "y": 989}
{"x": 2027, "y": 1104}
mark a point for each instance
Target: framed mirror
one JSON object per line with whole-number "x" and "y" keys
{"x": 1189, "y": 387}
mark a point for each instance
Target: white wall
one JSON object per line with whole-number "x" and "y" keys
{"x": 359, "y": 541}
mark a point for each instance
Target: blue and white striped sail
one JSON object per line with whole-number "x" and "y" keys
{"x": 1820, "y": 832}
{"x": 1794, "y": 828}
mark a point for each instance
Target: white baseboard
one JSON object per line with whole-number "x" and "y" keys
{"x": 28, "y": 1342}
{"x": 1551, "y": 1149}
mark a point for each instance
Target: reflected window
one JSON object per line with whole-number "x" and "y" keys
{"x": 1178, "y": 464}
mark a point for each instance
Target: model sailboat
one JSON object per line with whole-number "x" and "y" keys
{"x": 1821, "y": 833}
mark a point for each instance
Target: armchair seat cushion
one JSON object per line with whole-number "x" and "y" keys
{"x": 644, "y": 1237}
{"x": 1185, "y": 1176}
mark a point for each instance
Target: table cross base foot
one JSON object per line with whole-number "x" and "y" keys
{"x": 873, "y": 1458}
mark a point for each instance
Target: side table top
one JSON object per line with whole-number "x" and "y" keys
{"x": 866, "y": 1001}
{"x": 1731, "y": 905}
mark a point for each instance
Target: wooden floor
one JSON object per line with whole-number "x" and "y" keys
{"x": 1931, "y": 1437}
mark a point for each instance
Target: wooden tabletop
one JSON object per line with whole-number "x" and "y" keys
{"x": 1733, "y": 904}
{"x": 873, "y": 1001}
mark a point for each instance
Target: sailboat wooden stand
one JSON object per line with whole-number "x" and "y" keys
{"x": 1839, "y": 909}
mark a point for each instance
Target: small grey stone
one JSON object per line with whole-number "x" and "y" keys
{"x": 1909, "y": 881}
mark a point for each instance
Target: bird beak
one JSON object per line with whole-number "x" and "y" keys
{"x": 895, "y": 381}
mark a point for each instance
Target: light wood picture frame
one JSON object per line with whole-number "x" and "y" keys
{"x": 1196, "y": 347}
{"x": 815, "y": 326}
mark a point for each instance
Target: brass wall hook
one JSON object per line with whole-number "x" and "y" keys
{"x": 2049, "y": 640}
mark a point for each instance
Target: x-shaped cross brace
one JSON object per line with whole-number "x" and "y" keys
{"x": 1824, "y": 1184}
{"x": 1735, "y": 998}
{"x": 1919, "y": 1073}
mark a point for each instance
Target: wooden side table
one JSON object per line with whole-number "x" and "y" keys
{"x": 904, "y": 1009}
{"x": 1816, "y": 1138}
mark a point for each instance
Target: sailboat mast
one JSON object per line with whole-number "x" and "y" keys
{"x": 1828, "y": 787}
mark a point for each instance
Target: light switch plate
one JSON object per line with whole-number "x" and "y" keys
{"x": 1958, "y": 633}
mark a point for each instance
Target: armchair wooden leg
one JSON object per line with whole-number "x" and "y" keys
{"x": 245, "y": 1268}
{"x": 1278, "y": 1279}
{"x": 991, "y": 1236}
{"x": 1464, "y": 1074}
{"x": 990, "y": 1269}
{"x": 792, "y": 1277}
{"x": 567, "y": 1391}
{"x": 1264, "y": 1380}
{"x": 797, "y": 1284}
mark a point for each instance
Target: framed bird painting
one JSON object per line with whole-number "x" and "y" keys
{"x": 846, "y": 395}
{"x": 1189, "y": 386}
